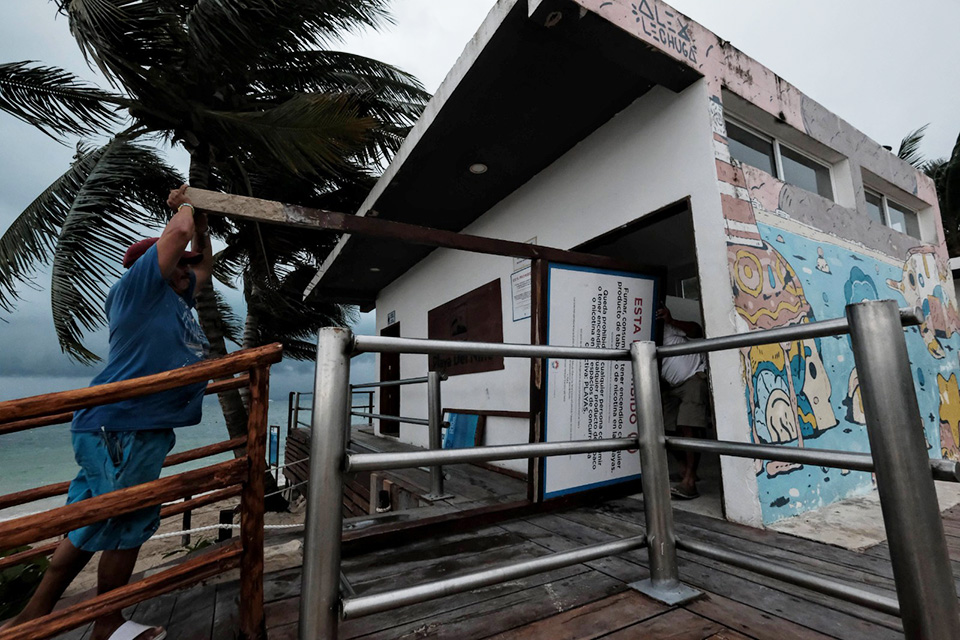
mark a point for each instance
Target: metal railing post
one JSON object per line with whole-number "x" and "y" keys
{"x": 435, "y": 415}
{"x": 319, "y": 591}
{"x": 296, "y": 411}
{"x": 290, "y": 421}
{"x": 664, "y": 583}
{"x": 908, "y": 498}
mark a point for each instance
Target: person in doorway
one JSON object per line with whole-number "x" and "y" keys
{"x": 684, "y": 396}
{"x": 152, "y": 329}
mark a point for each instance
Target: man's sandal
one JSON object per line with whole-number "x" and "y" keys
{"x": 131, "y": 630}
{"x": 684, "y": 494}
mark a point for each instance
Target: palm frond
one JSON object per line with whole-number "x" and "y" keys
{"x": 282, "y": 316}
{"x": 950, "y": 199}
{"x": 126, "y": 39}
{"x": 238, "y": 32}
{"x": 82, "y": 223}
{"x": 305, "y": 134}
{"x": 54, "y": 101}
{"x": 231, "y": 324}
{"x": 228, "y": 264}
{"x": 909, "y": 150}
{"x": 340, "y": 72}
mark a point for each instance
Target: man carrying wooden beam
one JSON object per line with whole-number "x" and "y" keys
{"x": 152, "y": 329}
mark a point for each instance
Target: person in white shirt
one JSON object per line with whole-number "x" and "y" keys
{"x": 684, "y": 394}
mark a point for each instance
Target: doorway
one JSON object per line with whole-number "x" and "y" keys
{"x": 390, "y": 396}
{"x": 664, "y": 241}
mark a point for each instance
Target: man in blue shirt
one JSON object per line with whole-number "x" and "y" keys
{"x": 152, "y": 329}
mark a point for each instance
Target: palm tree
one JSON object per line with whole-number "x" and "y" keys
{"x": 945, "y": 173}
{"x": 264, "y": 109}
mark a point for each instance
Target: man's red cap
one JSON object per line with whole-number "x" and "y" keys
{"x": 137, "y": 249}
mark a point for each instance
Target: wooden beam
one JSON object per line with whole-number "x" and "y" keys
{"x": 167, "y": 511}
{"x": 63, "y": 418}
{"x": 252, "y": 625}
{"x": 60, "y": 488}
{"x": 191, "y": 571}
{"x": 213, "y": 497}
{"x": 41, "y": 526}
{"x": 268, "y": 211}
{"x": 63, "y": 401}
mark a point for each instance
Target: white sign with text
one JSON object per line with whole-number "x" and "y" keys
{"x": 593, "y": 399}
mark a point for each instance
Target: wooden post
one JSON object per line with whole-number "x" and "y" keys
{"x": 251, "y": 513}
{"x": 185, "y": 538}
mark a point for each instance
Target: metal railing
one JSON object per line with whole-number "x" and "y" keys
{"x": 368, "y": 404}
{"x": 926, "y": 597}
{"x": 294, "y": 408}
{"x": 434, "y": 421}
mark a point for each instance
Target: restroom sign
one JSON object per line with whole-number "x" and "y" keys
{"x": 593, "y": 399}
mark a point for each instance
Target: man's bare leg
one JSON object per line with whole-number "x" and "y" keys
{"x": 113, "y": 572}
{"x": 688, "y": 484}
{"x": 66, "y": 563}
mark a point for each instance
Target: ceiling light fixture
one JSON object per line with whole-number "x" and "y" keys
{"x": 478, "y": 168}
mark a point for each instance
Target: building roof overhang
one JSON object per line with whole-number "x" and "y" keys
{"x": 536, "y": 79}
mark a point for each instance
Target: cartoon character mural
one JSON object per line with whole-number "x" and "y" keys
{"x": 949, "y": 415}
{"x": 921, "y": 285}
{"x": 859, "y": 287}
{"x": 788, "y": 391}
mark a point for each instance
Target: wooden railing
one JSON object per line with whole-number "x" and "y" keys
{"x": 243, "y": 476}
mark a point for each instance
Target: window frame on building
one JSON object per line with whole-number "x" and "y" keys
{"x": 777, "y": 143}
{"x": 885, "y": 201}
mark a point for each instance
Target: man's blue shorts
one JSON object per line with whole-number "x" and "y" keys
{"x": 112, "y": 460}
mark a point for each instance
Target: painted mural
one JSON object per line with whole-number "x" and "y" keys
{"x": 806, "y": 393}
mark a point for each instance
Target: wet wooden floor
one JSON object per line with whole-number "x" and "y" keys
{"x": 590, "y": 600}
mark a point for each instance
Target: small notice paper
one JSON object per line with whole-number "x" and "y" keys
{"x": 520, "y": 292}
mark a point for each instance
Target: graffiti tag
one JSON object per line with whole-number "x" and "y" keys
{"x": 669, "y": 31}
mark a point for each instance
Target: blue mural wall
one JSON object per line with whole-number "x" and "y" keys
{"x": 807, "y": 393}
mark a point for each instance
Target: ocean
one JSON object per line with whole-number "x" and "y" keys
{"x": 38, "y": 457}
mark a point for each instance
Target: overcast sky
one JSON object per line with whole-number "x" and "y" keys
{"x": 886, "y": 66}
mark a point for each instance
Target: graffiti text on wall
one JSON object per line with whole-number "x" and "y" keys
{"x": 665, "y": 27}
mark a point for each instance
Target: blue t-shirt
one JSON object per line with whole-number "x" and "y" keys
{"x": 152, "y": 329}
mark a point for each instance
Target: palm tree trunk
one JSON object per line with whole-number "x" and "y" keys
{"x": 231, "y": 404}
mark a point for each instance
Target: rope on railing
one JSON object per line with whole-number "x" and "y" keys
{"x": 172, "y": 534}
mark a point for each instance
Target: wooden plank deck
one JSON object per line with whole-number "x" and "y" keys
{"x": 590, "y": 600}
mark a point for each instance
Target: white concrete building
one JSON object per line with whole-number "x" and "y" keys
{"x": 626, "y": 129}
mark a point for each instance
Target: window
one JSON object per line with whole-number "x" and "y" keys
{"x": 690, "y": 288}
{"x": 885, "y": 211}
{"x": 787, "y": 164}
{"x": 751, "y": 149}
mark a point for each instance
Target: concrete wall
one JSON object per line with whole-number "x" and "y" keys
{"x": 626, "y": 169}
{"x": 795, "y": 257}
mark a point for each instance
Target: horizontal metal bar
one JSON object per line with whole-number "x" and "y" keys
{"x": 844, "y": 591}
{"x": 378, "y": 602}
{"x": 946, "y": 470}
{"x": 409, "y": 459}
{"x": 377, "y": 416}
{"x": 383, "y": 344}
{"x": 821, "y": 457}
{"x": 389, "y": 383}
{"x": 791, "y": 333}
